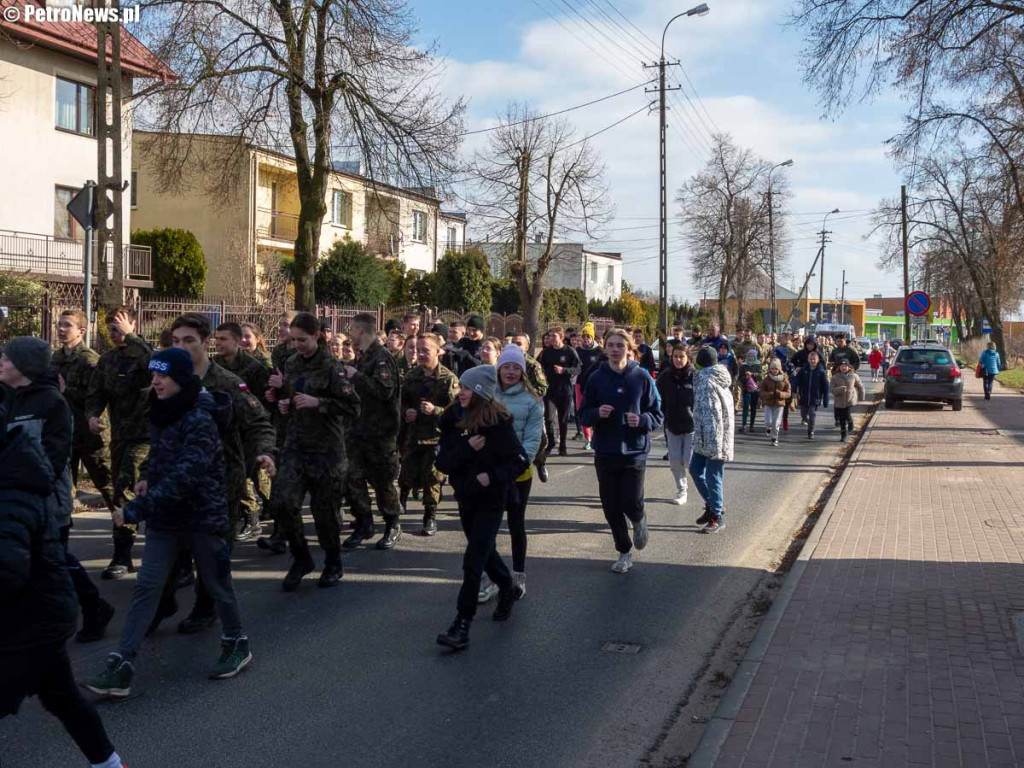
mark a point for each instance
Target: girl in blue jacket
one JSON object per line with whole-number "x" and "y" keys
{"x": 623, "y": 406}
{"x": 990, "y": 365}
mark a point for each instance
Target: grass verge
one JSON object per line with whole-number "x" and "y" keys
{"x": 1012, "y": 378}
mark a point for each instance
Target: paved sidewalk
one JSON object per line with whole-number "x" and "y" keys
{"x": 898, "y": 643}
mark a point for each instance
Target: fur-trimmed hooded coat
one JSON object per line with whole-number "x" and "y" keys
{"x": 713, "y": 413}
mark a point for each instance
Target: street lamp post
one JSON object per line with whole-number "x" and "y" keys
{"x": 699, "y": 10}
{"x": 821, "y": 283}
{"x": 771, "y": 245}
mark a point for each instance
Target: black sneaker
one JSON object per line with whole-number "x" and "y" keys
{"x": 234, "y": 657}
{"x": 301, "y": 565}
{"x": 250, "y": 531}
{"x": 810, "y": 434}
{"x": 429, "y": 525}
{"x": 506, "y": 600}
{"x": 196, "y": 622}
{"x": 115, "y": 680}
{"x": 457, "y": 636}
{"x": 707, "y": 517}
{"x": 392, "y": 535}
{"x": 542, "y": 473}
{"x": 713, "y": 527}
{"x": 116, "y": 570}
{"x": 362, "y": 533}
{"x": 333, "y": 571}
{"x": 94, "y": 625}
{"x": 275, "y": 543}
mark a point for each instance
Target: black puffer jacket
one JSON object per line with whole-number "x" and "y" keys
{"x": 502, "y": 458}
{"x": 37, "y": 601}
{"x": 675, "y": 385}
{"x": 186, "y": 472}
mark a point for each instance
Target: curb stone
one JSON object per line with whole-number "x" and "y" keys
{"x": 718, "y": 728}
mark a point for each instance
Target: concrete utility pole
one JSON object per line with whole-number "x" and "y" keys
{"x": 699, "y": 10}
{"x": 821, "y": 282}
{"x": 108, "y": 129}
{"x": 906, "y": 263}
{"x": 772, "y": 298}
{"x": 842, "y": 300}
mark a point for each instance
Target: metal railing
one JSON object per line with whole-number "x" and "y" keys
{"x": 384, "y": 243}
{"x": 48, "y": 255}
{"x": 277, "y": 225}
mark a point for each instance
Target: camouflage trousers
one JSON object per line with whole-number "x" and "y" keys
{"x": 97, "y": 464}
{"x": 256, "y": 499}
{"x": 126, "y": 460}
{"x": 418, "y": 472}
{"x": 323, "y": 476}
{"x": 377, "y": 467}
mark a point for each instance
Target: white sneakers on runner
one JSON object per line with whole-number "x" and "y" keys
{"x": 624, "y": 563}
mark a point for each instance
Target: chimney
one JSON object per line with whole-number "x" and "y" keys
{"x": 538, "y": 236}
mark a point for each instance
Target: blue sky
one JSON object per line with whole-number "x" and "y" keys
{"x": 743, "y": 63}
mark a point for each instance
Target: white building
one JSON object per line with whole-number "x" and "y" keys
{"x": 48, "y": 127}
{"x": 597, "y": 273}
{"x": 451, "y": 232}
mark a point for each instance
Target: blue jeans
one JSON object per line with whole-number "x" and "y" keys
{"x": 750, "y": 400}
{"x": 987, "y": 382}
{"x": 709, "y": 477}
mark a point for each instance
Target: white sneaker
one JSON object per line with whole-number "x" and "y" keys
{"x": 640, "y": 533}
{"x": 680, "y": 498}
{"x": 623, "y": 564}
{"x": 519, "y": 579}
{"x": 488, "y": 589}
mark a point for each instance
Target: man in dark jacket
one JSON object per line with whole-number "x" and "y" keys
{"x": 560, "y": 363}
{"x": 453, "y": 356}
{"x": 843, "y": 351}
{"x": 120, "y": 386}
{"x": 715, "y": 339}
{"x": 32, "y": 401}
{"x": 373, "y": 459}
{"x": 37, "y": 600}
{"x": 644, "y": 353}
{"x": 812, "y": 383}
{"x": 474, "y": 336}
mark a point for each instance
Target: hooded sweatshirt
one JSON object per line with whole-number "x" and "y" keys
{"x": 630, "y": 390}
{"x": 675, "y": 385}
{"x": 713, "y": 414}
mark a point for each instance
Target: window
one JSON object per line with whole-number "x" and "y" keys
{"x": 64, "y": 224}
{"x": 135, "y": 189}
{"x": 76, "y": 107}
{"x": 419, "y": 226}
{"x": 453, "y": 237}
{"x": 341, "y": 208}
{"x": 593, "y": 273}
{"x": 610, "y": 279}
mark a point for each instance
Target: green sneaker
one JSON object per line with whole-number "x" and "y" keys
{"x": 115, "y": 680}
{"x": 234, "y": 656}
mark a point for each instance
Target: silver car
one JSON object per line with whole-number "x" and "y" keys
{"x": 924, "y": 372}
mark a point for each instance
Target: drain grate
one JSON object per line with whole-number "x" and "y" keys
{"x": 617, "y": 647}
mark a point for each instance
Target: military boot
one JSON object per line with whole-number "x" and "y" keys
{"x": 275, "y": 543}
{"x": 121, "y": 563}
{"x": 364, "y": 532}
{"x": 301, "y": 565}
{"x": 392, "y": 533}
{"x": 457, "y": 636}
{"x": 333, "y": 569}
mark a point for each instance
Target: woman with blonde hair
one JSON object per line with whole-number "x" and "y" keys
{"x": 482, "y": 456}
{"x": 622, "y": 404}
{"x": 254, "y": 343}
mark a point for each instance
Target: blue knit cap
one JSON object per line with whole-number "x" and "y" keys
{"x": 174, "y": 362}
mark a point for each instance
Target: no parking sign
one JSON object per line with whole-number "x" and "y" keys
{"x": 918, "y": 303}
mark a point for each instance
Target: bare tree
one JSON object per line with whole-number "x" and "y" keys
{"x": 536, "y": 176}
{"x": 316, "y": 79}
{"x": 724, "y": 211}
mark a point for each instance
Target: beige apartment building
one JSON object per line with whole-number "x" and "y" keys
{"x": 241, "y": 201}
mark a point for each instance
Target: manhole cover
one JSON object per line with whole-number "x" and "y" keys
{"x": 616, "y": 647}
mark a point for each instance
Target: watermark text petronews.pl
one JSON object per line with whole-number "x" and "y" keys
{"x": 36, "y": 14}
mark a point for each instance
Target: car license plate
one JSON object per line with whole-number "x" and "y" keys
{"x": 925, "y": 377}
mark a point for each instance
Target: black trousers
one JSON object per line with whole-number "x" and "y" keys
{"x": 481, "y": 521}
{"x": 87, "y": 593}
{"x": 46, "y": 672}
{"x": 844, "y": 419}
{"x": 556, "y": 405}
{"x": 515, "y": 510}
{"x": 621, "y": 485}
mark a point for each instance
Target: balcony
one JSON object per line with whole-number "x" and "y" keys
{"x": 384, "y": 243}
{"x": 56, "y": 256}
{"x": 277, "y": 225}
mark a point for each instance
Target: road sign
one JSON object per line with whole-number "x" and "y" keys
{"x": 918, "y": 303}
{"x": 83, "y": 207}
{"x": 985, "y": 327}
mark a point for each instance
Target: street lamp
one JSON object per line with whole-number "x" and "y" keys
{"x": 821, "y": 284}
{"x": 771, "y": 245}
{"x": 698, "y": 10}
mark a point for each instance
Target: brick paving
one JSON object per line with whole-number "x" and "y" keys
{"x": 898, "y": 646}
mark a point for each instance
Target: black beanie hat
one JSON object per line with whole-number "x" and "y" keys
{"x": 29, "y": 355}
{"x": 392, "y": 325}
{"x": 475, "y": 321}
{"x": 440, "y": 329}
{"x": 174, "y": 362}
{"x": 707, "y": 357}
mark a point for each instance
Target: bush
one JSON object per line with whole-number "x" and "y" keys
{"x": 568, "y": 304}
{"x": 464, "y": 281}
{"x": 351, "y": 275}
{"x": 505, "y": 296}
{"x": 179, "y": 266}
{"x": 629, "y": 311}
{"x": 22, "y": 298}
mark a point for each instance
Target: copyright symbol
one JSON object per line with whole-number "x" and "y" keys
{"x": 12, "y": 14}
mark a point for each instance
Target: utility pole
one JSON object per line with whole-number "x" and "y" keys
{"x": 842, "y": 300}
{"x": 699, "y": 10}
{"x": 772, "y": 299}
{"x": 821, "y": 283}
{"x": 108, "y": 130}
{"x": 906, "y": 263}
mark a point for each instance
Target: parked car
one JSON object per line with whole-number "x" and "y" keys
{"x": 927, "y": 372}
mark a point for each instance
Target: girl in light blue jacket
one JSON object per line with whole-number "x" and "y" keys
{"x": 990, "y": 366}
{"x": 516, "y": 394}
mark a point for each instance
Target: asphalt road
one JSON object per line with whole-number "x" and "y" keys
{"x": 352, "y": 676}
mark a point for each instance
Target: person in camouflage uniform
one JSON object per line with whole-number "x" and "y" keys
{"x": 427, "y": 390}
{"x": 539, "y": 382}
{"x": 315, "y": 398}
{"x": 254, "y": 372}
{"x": 75, "y": 364}
{"x": 248, "y": 441}
{"x": 373, "y": 458}
{"x": 120, "y": 386}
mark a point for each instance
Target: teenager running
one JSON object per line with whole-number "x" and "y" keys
{"x": 622, "y": 404}
{"x": 183, "y": 502}
{"x": 713, "y": 417}
{"x": 675, "y": 385}
{"x": 482, "y": 456}
{"x": 560, "y": 363}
